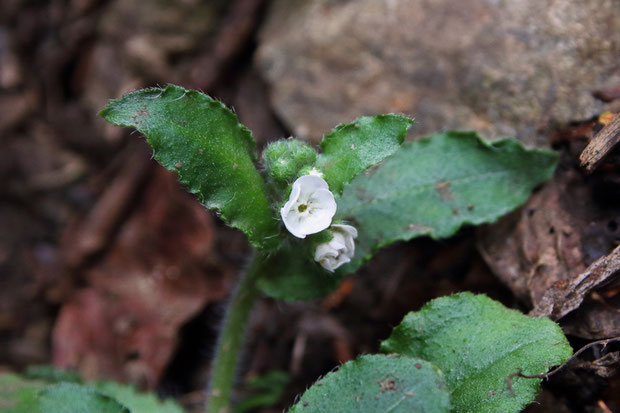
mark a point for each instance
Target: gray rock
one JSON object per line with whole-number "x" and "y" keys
{"x": 503, "y": 68}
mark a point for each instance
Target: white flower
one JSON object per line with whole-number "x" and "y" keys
{"x": 339, "y": 250}
{"x": 310, "y": 208}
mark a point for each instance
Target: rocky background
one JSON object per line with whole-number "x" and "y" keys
{"x": 108, "y": 267}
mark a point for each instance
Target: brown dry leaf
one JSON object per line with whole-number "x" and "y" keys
{"x": 564, "y": 297}
{"x": 150, "y": 282}
{"x": 594, "y": 319}
{"x": 92, "y": 234}
{"x": 15, "y": 108}
{"x": 552, "y": 253}
{"x": 605, "y": 366}
{"x": 537, "y": 247}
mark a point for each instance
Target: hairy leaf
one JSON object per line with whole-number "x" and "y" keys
{"x": 350, "y": 149}
{"x": 478, "y": 344}
{"x": 378, "y": 384}
{"x": 435, "y": 185}
{"x": 202, "y": 141}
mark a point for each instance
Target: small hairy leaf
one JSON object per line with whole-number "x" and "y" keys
{"x": 213, "y": 154}
{"x": 478, "y": 343}
{"x": 350, "y": 149}
{"x": 378, "y": 384}
{"x": 435, "y": 185}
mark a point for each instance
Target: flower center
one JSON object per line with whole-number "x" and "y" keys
{"x": 302, "y": 207}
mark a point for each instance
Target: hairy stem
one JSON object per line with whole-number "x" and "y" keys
{"x": 230, "y": 341}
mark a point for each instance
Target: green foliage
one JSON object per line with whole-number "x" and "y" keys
{"x": 478, "y": 343}
{"x": 50, "y": 374}
{"x": 213, "y": 154}
{"x": 350, "y": 149}
{"x": 76, "y": 398}
{"x": 137, "y": 402}
{"x": 24, "y": 394}
{"x": 430, "y": 187}
{"x": 267, "y": 391}
{"x": 378, "y": 384}
{"x": 18, "y": 395}
{"x": 457, "y": 353}
{"x": 292, "y": 274}
{"x": 435, "y": 185}
{"x": 284, "y": 159}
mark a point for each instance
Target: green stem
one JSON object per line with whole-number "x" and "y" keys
{"x": 230, "y": 341}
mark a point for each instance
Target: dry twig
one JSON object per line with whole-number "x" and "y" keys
{"x": 601, "y": 145}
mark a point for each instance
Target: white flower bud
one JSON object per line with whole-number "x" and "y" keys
{"x": 339, "y": 250}
{"x": 310, "y": 208}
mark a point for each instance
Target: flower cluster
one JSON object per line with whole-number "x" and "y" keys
{"x": 309, "y": 210}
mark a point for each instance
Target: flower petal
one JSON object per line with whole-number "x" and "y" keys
{"x": 313, "y": 223}
{"x": 311, "y": 183}
{"x": 346, "y": 228}
{"x": 322, "y": 202}
{"x": 289, "y": 213}
{"x": 349, "y": 234}
{"x": 312, "y": 191}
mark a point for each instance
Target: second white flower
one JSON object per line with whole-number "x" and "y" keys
{"x": 310, "y": 208}
{"x": 339, "y": 250}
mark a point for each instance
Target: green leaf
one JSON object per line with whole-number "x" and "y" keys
{"x": 478, "y": 343}
{"x": 213, "y": 154}
{"x": 50, "y": 374}
{"x": 137, "y": 402}
{"x": 76, "y": 398}
{"x": 435, "y": 185}
{"x": 20, "y": 394}
{"x": 291, "y": 274}
{"x": 267, "y": 391}
{"x": 350, "y": 149}
{"x": 378, "y": 384}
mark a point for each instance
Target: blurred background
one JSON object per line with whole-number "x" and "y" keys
{"x": 108, "y": 267}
